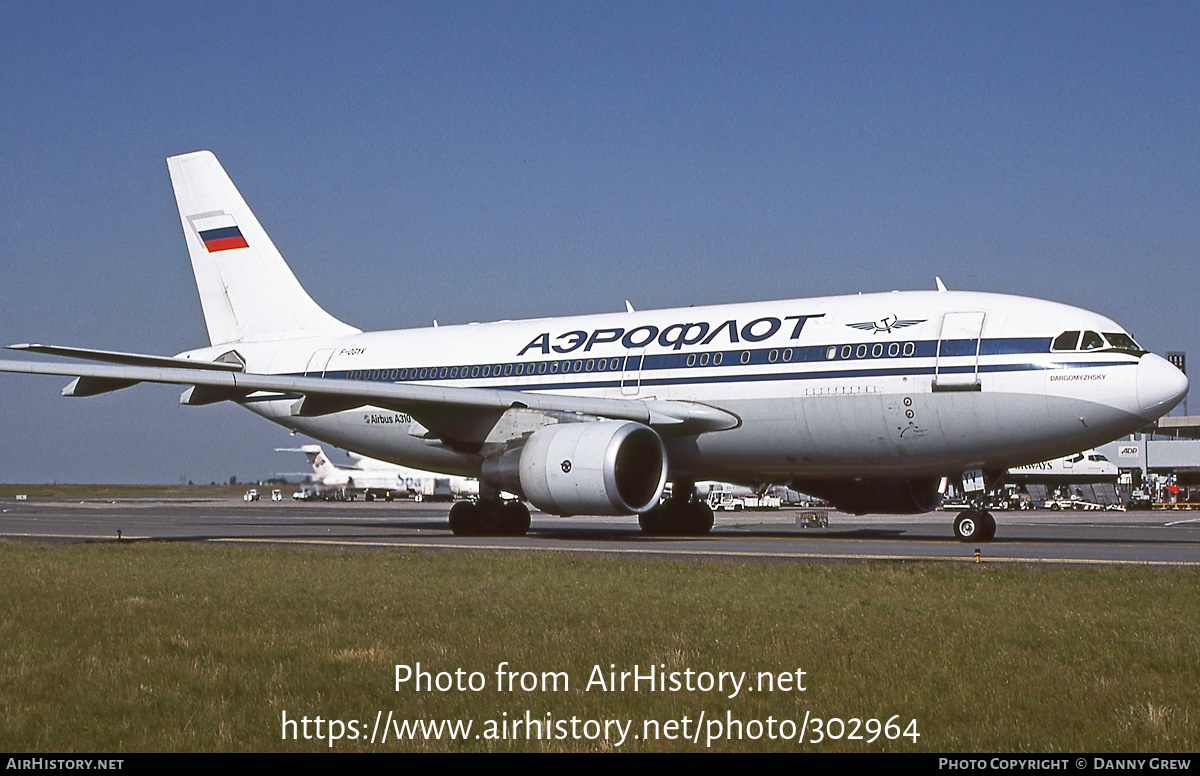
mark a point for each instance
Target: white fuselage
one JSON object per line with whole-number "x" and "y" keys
{"x": 902, "y": 384}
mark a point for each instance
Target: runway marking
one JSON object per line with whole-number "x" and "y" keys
{"x": 713, "y": 552}
{"x": 1184, "y": 522}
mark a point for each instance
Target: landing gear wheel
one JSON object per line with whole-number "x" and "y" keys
{"x": 489, "y": 518}
{"x": 677, "y": 518}
{"x": 974, "y": 525}
{"x": 698, "y": 518}
{"x": 464, "y": 519}
{"x": 653, "y": 522}
{"x": 966, "y": 526}
{"x": 514, "y": 519}
{"x": 987, "y": 527}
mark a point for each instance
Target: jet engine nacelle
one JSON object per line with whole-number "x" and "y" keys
{"x": 862, "y": 497}
{"x": 595, "y": 468}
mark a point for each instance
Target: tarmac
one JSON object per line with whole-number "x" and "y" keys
{"x": 1144, "y": 538}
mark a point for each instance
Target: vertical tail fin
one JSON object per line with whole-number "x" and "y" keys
{"x": 247, "y": 291}
{"x": 321, "y": 465}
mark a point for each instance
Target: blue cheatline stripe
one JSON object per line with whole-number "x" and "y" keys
{"x": 728, "y": 378}
{"x": 874, "y": 352}
{"x": 778, "y": 376}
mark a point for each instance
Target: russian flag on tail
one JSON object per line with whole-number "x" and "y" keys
{"x": 223, "y": 239}
{"x": 218, "y": 232}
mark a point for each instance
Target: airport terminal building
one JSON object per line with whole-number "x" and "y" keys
{"x": 1163, "y": 462}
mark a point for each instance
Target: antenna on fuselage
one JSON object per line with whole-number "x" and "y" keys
{"x": 940, "y": 285}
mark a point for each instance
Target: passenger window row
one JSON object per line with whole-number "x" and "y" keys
{"x": 893, "y": 349}
{"x": 656, "y": 361}
{"x": 487, "y": 370}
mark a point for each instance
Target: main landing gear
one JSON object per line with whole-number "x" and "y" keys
{"x": 975, "y": 524}
{"x": 677, "y": 517}
{"x": 488, "y": 517}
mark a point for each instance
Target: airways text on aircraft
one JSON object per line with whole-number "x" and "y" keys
{"x": 674, "y": 336}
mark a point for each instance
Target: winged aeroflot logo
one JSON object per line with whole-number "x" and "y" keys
{"x": 884, "y": 324}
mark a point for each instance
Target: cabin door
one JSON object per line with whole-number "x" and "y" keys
{"x": 631, "y": 374}
{"x": 957, "y": 365}
{"x": 317, "y": 363}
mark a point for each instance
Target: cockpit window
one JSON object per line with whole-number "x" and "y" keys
{"x": 1118, "y": 342}
{"x": 1123, "y": 343}
{"x": 1068, "y": 340}
{"x": 1091, "y": 341}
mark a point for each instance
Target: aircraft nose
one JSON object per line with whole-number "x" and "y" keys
{"x": 1160, "y": 386}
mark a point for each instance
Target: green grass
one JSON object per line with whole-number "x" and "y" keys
{"x": 138, "y": 647}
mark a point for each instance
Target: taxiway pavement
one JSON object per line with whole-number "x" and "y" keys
{"x": 1036, "y": 536}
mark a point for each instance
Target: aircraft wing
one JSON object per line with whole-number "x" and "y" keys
{"x": 459, "y": 416}
{"x": 132, "y": 359}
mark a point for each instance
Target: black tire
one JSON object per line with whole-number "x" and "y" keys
{"x": 698, "y": 519}
{"x": 987, "y": 527}
{"x": 654, "y": 522}
{"x": 689, "y": 518}
{"x": 464, "y": 520}
{"x": 489, "y": 518}
{"x": 514, "y": 519}
{"x": 974, "y": 525}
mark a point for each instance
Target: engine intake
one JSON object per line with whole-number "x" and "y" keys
{"x": 596, "y": 468}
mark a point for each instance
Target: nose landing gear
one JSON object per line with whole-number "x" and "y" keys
{"x": 975, "y": 524}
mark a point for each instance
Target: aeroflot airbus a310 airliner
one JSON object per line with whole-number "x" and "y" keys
{"x": 869, "y": 401}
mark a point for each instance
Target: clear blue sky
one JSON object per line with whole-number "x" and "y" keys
{"x": 472, "y": 161}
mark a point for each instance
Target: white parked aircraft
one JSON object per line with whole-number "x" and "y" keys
{"x": 374, "y": 478}
{"x": 867, "y": 401}
{"x": 1082, "y": 480}
{"x": 1085, "y": 467}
